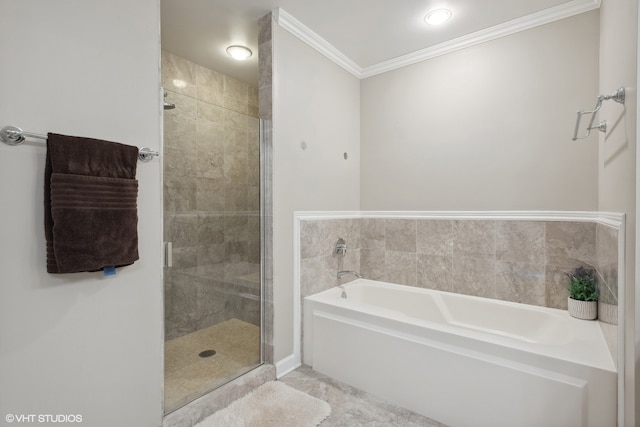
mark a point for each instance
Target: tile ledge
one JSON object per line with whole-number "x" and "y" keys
{"x": 613, "y": 219}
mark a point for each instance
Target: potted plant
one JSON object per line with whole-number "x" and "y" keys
{"x": 583, "y": 294}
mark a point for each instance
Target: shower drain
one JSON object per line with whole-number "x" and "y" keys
{"x": 207, "y": 353}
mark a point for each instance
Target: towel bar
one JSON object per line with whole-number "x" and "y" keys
{"x": 12, "y": 135}
{"x": 618, "y": 96}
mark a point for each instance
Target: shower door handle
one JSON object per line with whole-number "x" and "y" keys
{"x": 168, "y": 254}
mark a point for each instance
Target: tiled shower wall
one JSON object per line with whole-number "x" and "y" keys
{"x": 512, "y": 260}
{"x": 211, "y": 197}
{"x": 265, "y": 112}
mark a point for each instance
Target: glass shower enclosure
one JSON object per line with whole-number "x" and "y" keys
{"x": 212, "y": 225}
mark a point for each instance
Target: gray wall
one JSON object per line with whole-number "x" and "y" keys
{"x": 315, "y": 101}
{"x": 617, "y": 168}
{"x": 488, "y": 127}
{"x": 79, "y": 343}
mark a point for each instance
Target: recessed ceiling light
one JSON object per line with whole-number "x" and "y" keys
{"x": 239, "y": 52}
{"x": 438, "y": 16}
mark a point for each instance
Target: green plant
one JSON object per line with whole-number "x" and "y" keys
{"x": 582, "y": 286}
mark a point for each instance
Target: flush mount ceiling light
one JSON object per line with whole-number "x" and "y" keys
{"x": 239, "y": 53}
{"x": 179, "y": 83}
{"x": 438, "y": 16}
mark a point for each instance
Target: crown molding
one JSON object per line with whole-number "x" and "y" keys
{"x": 543, "y": 17}
{"x": 304, "y": 33}
{"x": 556, "y": 13}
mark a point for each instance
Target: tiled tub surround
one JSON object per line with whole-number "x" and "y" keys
{"x": 513, "y": 260}
{"x": 607, "y": 272}
{"x": 511, "y": 256}
{"x": 211, "y": 198}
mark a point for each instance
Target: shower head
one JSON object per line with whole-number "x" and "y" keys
{"x": 166, "y": 104}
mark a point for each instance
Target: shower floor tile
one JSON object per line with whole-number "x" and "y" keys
{"x": 188, "y": 376}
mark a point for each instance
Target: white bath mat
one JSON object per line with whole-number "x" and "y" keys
{"x": 273, "y": 404}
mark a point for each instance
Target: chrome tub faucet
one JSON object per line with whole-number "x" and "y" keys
{"x": 341, "y": 274}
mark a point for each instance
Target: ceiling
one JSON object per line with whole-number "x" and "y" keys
{"x": 364, "y": 32}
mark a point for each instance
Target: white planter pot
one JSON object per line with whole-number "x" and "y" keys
{"x": 587, "y": 310}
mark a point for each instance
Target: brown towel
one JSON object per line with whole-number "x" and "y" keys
{"x": 90, "y": 200}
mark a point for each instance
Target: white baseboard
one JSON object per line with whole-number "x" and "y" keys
{"x": 286, "y": 365}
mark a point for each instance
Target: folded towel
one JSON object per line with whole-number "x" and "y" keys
{"x": 90, "y": 203}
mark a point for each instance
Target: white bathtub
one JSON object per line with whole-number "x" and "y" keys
{"x": 461, "y": 360}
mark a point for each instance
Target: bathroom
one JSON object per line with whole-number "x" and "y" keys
{"x": 73, "y": 344}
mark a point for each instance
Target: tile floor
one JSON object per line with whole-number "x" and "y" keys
{"x": 351, "y": 407}
{"x": 189, "y": 376}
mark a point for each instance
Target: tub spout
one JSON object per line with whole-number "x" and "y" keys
{"x": 341, "y": 274}
{"x": 344, "y": 292}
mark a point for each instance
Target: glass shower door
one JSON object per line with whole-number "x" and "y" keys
{"x": 212, "y": 219}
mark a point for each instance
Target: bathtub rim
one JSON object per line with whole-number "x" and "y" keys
{"x": 330, "y": 298}
{"x": 611, "y": 219}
